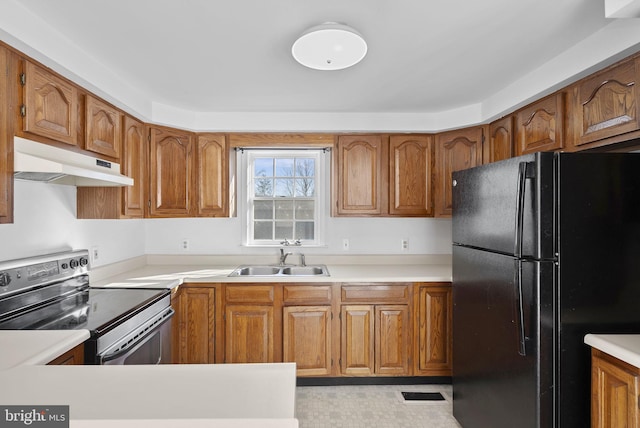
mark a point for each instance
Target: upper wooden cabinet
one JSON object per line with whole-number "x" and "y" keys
{"x": 410, "y": 166}
{"x": 499, "y": 145}
{"x": 212, "y": 175}
{"x": 102, "y": 128}
{"x": 134, "y": 165}
{"x": 8, "y": 66}
{"x": 172, "y": 175}
{"x": 50, "y": 106}
{"x": 607, "y": 103}
{"x": 540, "y": 125}
{"x": 455, "y": 151}
{"x": 359, "y": 175}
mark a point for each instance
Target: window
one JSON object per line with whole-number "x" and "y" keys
{"x": 285, "y": 196}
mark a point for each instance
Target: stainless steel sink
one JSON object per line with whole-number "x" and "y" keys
{"x": 255, "y": 270}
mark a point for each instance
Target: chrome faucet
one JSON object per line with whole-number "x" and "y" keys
{"x": 302, "y": 260}
{"x": 283, "y": 256}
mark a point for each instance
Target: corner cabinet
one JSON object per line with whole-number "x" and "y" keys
{"x": 500, "y": 142}
{"x": 212, "y": 175}
{"x": 615, "y": 388}
{"x": 455, "y": 151}
{"x": 171, "y": 170}
{"x": 49, "y": 105}
{"x": 8, "y": 68}
{"x": 433, "y": 329}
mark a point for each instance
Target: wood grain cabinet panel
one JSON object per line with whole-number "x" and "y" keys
{"x": 500, "y": 143}
{"x": 358, "y": 336}
{"x": 212, "y": 175}
{"x": 455, "y": 151}
{"x": 135, "y": 165}
{"x": 540, "y": 125}
{"x": 392, "y": 340}
{"x": 195, "y": 324}
{"x": 171, "y": 173}
{"x": 615, "y": 388}
{"x": 307, "y": 339}
{"x": 102, "y": 128}
{"x": 8, "y": 67}
{"x": 606, "y": 104}
{"x": 50, "y": 105}
{"x": 359, "y": 175}
{"x": 410, "y": 171}
{"x": 249, "y": 334}
{"x": 73, "y": 357}
{"x": 433, "y": 330}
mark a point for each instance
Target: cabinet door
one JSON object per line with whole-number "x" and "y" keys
{"x": 614, "y": 392}
{"x": 410, "y": 170}
{"x": 434, "y": 336}
{"x": 607, "y": 103}
{"x": 455, "y": 151}
{"x": 359, "y": 169}
{"x": 50, "y": 105}
{"x": 196, "y": 325}
{"x": 102, "y": 128}
{"x": 7, "y": 101}
{"x": 392, "y": 343}
{"x": 73, "y": 357}
{"x": 249, "y": 334}
{"x": 357, "y": 351}
{"x": 134, "y": 165}
{"x": 171, "y": 168}
{"x": 500, "y": 144}
{"x": 540, "y": 125}
{"x": 211, "y": 160}
{"x": 307, "y": 339}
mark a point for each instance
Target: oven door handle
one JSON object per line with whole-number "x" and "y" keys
{"x": 105, "y": 358}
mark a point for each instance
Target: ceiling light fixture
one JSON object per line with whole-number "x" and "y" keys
{"x": 329, "y": 46}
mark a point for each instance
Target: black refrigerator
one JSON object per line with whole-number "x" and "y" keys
{"x": 546, "y": 248}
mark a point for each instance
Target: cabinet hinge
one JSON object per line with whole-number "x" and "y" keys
{"x": 23, "y": 79}
{"x": 23, "y": 110}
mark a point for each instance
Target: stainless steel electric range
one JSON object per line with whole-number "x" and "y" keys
{"x": 52, "y": 292}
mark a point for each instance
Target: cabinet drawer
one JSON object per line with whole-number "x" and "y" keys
{"x": 375, "y": 293}
{"x": 300, "y": 294}
{"x": 249, "y": 293}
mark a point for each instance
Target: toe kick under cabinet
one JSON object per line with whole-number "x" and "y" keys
{"x": 327, "y": 329}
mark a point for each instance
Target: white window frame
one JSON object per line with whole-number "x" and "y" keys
{"x": 245, "y": 160}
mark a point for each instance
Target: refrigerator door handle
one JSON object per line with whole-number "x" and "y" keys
{"x": 522, "y": 177}
{"x": 519, "y": 310}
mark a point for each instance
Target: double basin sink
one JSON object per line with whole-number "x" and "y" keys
{"x": 254, "y": 270}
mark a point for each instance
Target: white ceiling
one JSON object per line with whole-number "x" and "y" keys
{"x": 234, "y": 56}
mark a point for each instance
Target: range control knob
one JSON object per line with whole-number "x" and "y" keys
{"x": 73, "y": 263}
{"x": 5, "y": 279}
{"x": 84, "y": 261}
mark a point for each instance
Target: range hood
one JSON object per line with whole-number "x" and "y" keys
{"x": 40, "y": 162}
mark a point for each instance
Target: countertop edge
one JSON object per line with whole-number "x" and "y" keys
{"x": 625, "y": 347}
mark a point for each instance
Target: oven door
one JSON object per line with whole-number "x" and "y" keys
{"x": 151, "y": 346}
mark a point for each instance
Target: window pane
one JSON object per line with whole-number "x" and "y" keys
{"x": 305, "y": 210}
{"x": 263, "y": 230}
{"x": 263, "y": 186}
{"x": 284, "y": 229}
{"x": 305, "y": 187}
{"x": 263, "y": 167}
{"x": 304, "y": 230}
{"x": 284, "y": 210}
{"x": 305, "y": 167}
{"x": 284, "y": 167}
{"x": 284, "y": 186}
{"x": 263, "y": 209}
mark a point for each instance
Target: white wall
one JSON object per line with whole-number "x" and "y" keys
{"x": 45, "y": 221}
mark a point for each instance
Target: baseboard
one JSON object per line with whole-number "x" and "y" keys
{"x": 389, "y": 380}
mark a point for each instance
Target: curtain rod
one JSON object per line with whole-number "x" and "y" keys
{"x": 271, "y": 149}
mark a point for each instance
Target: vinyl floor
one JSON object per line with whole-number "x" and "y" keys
{"x": 379, "y": 406}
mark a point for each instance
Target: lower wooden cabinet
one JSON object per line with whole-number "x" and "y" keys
{"x": 326, "y": 329}
{"x": 433, "y": 329}
{"x": 73, "y": 356}
{"x": 615, "y": 388}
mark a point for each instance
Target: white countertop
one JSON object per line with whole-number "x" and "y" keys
{"x": 31, "y": 347}
{"x": 625, "y": 347}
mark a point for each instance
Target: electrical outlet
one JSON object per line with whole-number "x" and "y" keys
{"x": 184, "y": 245}
{"x": 404, "y": 244}
{"x": 345, "y": 244}
{"x": 94, "y": 254}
